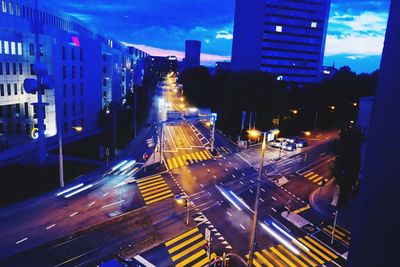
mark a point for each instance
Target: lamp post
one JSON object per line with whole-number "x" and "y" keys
{"x": 254, "y": 133}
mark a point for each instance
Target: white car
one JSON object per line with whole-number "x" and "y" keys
{"x": 277, "y": 142}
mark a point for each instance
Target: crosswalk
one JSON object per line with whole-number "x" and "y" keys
{"x": 340, "y": 233}
{"x": 223, "y": 150}
{"x": 189, "y": 158}
{"x": 154, "y": 189}
{"x": 187, "y": 249}
{"x": 315, "y": 178}
{"x": 310, "y": 253}
{"x": 127, "y": 168}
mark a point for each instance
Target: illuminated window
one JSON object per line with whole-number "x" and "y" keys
{"x": 314, "y": 24}
{"x": 17, "y": 10}
{"x": 10, "y": 8}
{"x": 13, "y": 49}
{"x": 278, "y": 28}
{"x": 4, "y": 6}
{"x": 1, "y": 47}
{"x": 19, "y": 49}
{"x": 6, "y": 48}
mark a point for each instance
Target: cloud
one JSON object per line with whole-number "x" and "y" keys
{"x": 206, "y": 59}
{"x": 354, "y": 44}
{"x": 224, "y": 35}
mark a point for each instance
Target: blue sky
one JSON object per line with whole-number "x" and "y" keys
{"x": 355, "y": 34}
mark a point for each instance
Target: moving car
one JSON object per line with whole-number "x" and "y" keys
{"x": 297, "y": 141}
{"x": 288, "y": 146}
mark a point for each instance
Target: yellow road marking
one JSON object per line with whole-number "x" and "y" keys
{"x": 318, "y": 179}
{"x": 198, "y": 156}
{"x": 183, "y": 244}
{"x": 191, "y": 258}
{"x": 155, "y": 191}
{"x": 255, "y": 263}
{"x": 308, "y": 174}
{"x": 302, "y": 209}
{"x": 343, "y": 229}
{"x": 336, "y": 236}
{"x": 202, "y": 155}
{"x": 309, "y": 253}
{"x": 322, "y": 247}
{"x": 159, "y": 199}
{"x": 208, "y": 154}
{"x": 157, "y": 195}
{"x": 273, "y": 258}
{"x": 169, "y": 164}
{"x": 262, "y": 259}
{"x": 153, "y": 188}
{"x": 180, "y": 161}
{"x": 292, "y": 256}
{"x": 337, "y": 231}
{"x": 182, "y": 236}
{"x": 175, "y": 163}
{"x": 283, "y": 257}
{"x": 151, "y": 184}
{"x": 312, "y": 177}
{"x": 201, "y": 263}
{"x": 314, "y": 249}
{"x": 150, "y": 181}
{"x": 190, "y": 158}
{"x": 306, "y": 259}
{"x": 185, "y": 160}
{"x": 194, "y": 157}
{"x": 148, "y": 178}
{"x": 188, "y": 250}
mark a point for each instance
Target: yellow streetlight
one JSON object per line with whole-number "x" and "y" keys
{"x": 182, "y": 106}
{"x": 182, "y": 99}
{"x": 307, "y": 133}
{"x": 295, "y": 111}
{"x": 332, "y": 107}
{"x": 254, "y": 133}
{"x": 355, "y": 104}
{"x": 78, "y": 128}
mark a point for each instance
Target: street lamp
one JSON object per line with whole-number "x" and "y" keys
{"x": 252, "y": 245}
{"x": 294, "y": 111}
{"x": 332, "y": 108}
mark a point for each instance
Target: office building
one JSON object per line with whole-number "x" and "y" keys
{"x": 282, "y": 37}
{"x": 192, "y": 53}
{"x": 89, "y": 69}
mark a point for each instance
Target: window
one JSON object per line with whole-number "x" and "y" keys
{"x": 2, "y": 89}
{"x": 73, "y": 89}
{"x": 314, "y": 24}
{"x": 13, "y": 49}
{"x": 15, "y": 89}
{"x": 73, "y": 72}
{"x": 31, "y": 50}
{"x": 63, "y": 53}
{"x": 27, "y": 128}
{"x": 14, "y": 68}
{"x": 278, "y": 28}
{"x": 65, "y": 127}
{"x": 73, "y": 107}
{"x": 17, "y": 108}
{"x": 65, "y": 109}
{"x": 10, "y": 8}
{"x": 26, "y": 108}
{"x": 1, "y": 68}
{"x": 65, "y": 90}
{"x": 17, "y": 10}
{"x": 8, "y": 89}
{"x": 31, "y": 69}
{"x": 41, "y": 50}
{"x": 6, "y": 48}
{"x": 72, "y": 54}
{"x": 22, "y": 88}
{"x": 64, "y": 72}
{"x": 7, "y": 68}
{"x": 104, "y": 82}
{"x": 4, "y": 6}
{"x": 21, "y": 69}
{"x": 19, "y": 49}
{"x": 1, "y": 47}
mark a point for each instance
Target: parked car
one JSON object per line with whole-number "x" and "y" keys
{"x": 288, "y": 146}
{"x": 277, "y": 142}
{"x": 297, "y": 141}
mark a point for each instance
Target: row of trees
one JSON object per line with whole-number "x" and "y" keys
{"x": 276, "y": 103}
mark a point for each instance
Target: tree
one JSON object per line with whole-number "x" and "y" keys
{"x": 346, "y": 167}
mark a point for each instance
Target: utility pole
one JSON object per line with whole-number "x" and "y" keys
{"x": 255, "y": 217}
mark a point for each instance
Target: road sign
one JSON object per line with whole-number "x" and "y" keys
{"x": 208, "y": 235}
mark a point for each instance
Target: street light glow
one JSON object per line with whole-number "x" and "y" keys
{"x": 332, "y": 107}
{"x": 254, "y": 133}
{"x": 295, "y": 111}
{"x": 307, "y": 133}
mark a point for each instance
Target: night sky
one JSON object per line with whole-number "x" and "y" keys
{"x": 355, "y": 34}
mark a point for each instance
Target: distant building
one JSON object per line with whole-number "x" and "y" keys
{"x": 282, "y": 37}
{"x": 160, "y": 66}
{"x": 222, "y": 66}
{"x": 90, "y": 71}
{"x": 192, "y": 53}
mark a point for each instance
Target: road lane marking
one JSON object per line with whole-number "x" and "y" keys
{"x": 112, "y": 204}
{"x": 273, "y": 209}
{"x": 262, "y": 189}
{"x": 226, "y": 169}
{"x": 220, "y": 164}
{"x": 73, "y": 214}
{"x": 242, "y": 226}
{"x": 251, "y": 191}
{"x": 51, "y": 226}
{"x": 233, "y": 176}
{"x": 91, "y": 203}
{"x": 243, "y": 174}
{"x": 22, "y": 240}
{"x": 215, "y": 177}
{"x": 229, "y": 213}
{"x": 236, "y": 168}
{"x": 105, "y": 194}
{"x": 262, "y": 200}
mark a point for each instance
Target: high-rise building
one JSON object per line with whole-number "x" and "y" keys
{"x": 282, "y": 37}
{"x": 89, "y": 69}
{"x": 192, "y": 53}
